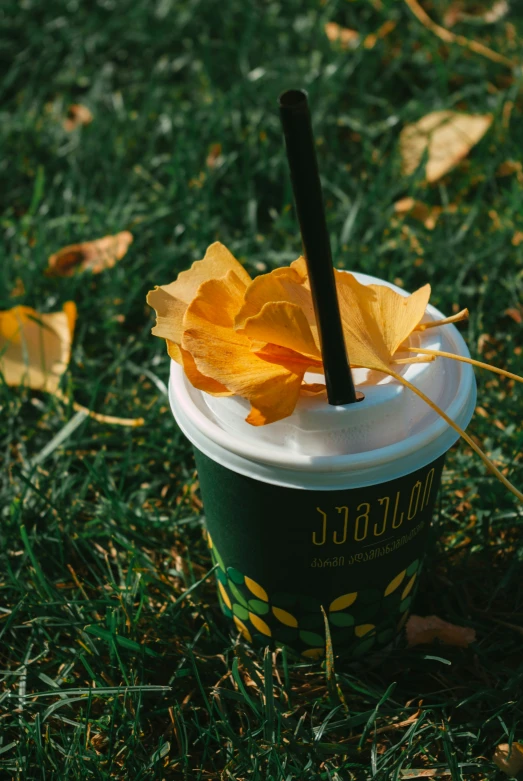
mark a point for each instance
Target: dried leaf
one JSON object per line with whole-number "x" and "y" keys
{"x": 421, "y": 630}
{"x": 225, "y": 355}
{"x": 515, "y": 314}
{"x": 428, "y": 215}
{"x": 171, "y": 301}
{"x": 509, "y": 759}
{"x": 446, "y": 136}
{"x": 510, "y": 167}
{"x": 35, "y": 348}
{"x": 486, "y": 14}
{"x": 377, "y": 320}
{"x": 214, "y": 156}
{"x": 372, "y": 39}
{"x": 77, "y": 116}
{"x": 343, "y": 36}
{"x": 517, "y": 238}
{"x": 95, "y": 256}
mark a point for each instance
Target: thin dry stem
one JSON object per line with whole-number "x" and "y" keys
{"x": 111, "y": 419}
{"x": 457, "y": 318}
{"x": 472, "y": 361}
{"x": 460, "y": 40}
{"x": 486, "y": 460}
{"x": 419, "y": 359}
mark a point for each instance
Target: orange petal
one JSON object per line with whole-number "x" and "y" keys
{"x": 174, "y": 350}
{"x": 224, "y": 355}
{"x": 313, "y": 388}
{"x": 71, "y": 313}
{"x": 286, "y": 357}
{"x": 35, "y": 348}
{"x": 283, "y": 284}
{"x": 95, "y": 256}
{"x": 398, "y": 315}
{"x": 364, "y": 340}
{"x": 376, "y": 319}
{"x": 199, "y": 380}
{"x": 77, "y": 115}
{"x": 283, "y": 324}
{"x": 171, "y": 301}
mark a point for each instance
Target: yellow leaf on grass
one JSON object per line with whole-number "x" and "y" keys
{"x": 425, "y": 630}
{"x": 35, "y": 348}
{"x": 171, "y": 301}
{"x": 95, "y": 256}
{"x": 77, "y": 115}
{"x": 509, "y": 759}
{"x": 446, "y": 136}
{"x": 343, "y": 36}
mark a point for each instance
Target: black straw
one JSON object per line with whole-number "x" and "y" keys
{"x": 301, "y": 154}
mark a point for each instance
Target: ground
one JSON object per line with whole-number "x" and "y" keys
{"x": 115, "y": 659}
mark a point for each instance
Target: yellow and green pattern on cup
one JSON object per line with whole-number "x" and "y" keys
{"x": 359, "y": 621}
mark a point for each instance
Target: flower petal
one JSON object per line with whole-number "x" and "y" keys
{"x": 171, "y": 301}
{"x": 199, "y": 380}
{"x": 289, "y": 284}
{"x": 225, "y": 355}
{"x": 376, "y": 319}
{"x": 313, "y": 388}
{"x": 398, "y": 315}
{"x": 365, "y": 344}
{"x": 283, "y": 324}
{"x": 95, "y": 256}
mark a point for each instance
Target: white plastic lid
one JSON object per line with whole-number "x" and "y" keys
{"x": 390, "y": 433}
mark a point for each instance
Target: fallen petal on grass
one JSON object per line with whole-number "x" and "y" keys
{"x": 423, "y": 630}
{"x": 446, "y": 136}
{"x": 77, "y": 116}
{"x": 35, "y": 348}
{"x": 509, "y": 759}
{"x": 94, "y": 256}
{"x": 343, "y": 36}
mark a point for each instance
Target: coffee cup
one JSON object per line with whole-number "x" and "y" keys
{"x": 324, "y": 516}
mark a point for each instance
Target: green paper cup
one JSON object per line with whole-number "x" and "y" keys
{"x": 327, "y": 511}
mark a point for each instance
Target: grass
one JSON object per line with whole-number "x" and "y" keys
{"x": 115, "y": 660}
